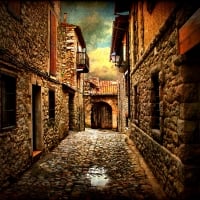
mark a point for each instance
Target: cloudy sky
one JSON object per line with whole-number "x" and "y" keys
{"x": 95, "y": 19}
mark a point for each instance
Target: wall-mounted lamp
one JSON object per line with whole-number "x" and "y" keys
{"x": 115, "y": 58}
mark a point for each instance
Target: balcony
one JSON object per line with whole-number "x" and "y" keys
{"x": 82, "y": 62}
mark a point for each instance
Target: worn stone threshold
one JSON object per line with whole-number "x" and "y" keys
{"x": 36, "y": 155}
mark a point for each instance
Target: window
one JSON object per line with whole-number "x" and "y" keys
{"x": 14, "y": 7}
{"x": 51, "y": 104}
{"x": 7, "y": 101}
{"x": 52, "y": 44}
{"x": 155, "y": 100}
{"x": 136, "y": 102}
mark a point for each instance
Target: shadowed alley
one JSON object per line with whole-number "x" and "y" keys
{"x": 92, "y": 164}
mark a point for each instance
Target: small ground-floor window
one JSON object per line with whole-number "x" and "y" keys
{"x": 155, "y": 100}
{"x": 7, "y": 101}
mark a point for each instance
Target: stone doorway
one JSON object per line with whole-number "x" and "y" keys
{"x": 36, "y": 120}
{"x": 190, "y": 122}
{"x": 101, "y": 116}
{"x": 191, "y": 101}
{"x": 71, "y": 111}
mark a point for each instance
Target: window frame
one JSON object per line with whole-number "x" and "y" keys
{"x": 136, "y": 102}
{"x": 155, "y": 102}
{"x": 51, "y": 104}
{"x": 7, "y": 104}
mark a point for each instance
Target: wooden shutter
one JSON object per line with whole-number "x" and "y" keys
{"x": 52, "y": 44}
{"x": 14, "y": 7}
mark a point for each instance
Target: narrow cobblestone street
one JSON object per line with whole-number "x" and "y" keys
{"x": 94, "y": 164}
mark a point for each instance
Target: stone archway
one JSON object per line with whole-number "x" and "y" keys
{"x": 101, "y": 115}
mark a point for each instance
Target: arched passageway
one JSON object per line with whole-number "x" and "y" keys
{"x": 101, "y": 115}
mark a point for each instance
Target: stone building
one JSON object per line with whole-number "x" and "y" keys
{"x": 37, "y": 98}
{"x": 123, "y": 98}
{"x": 163, "y": 62}
{"x": 74, "y": 63}
{"x": 101, "y": 109}
{"x": 119, "y": 56}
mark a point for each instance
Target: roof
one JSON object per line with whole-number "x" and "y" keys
{"x": 102, "y": 87}
{"x": 80, "y": 36}
{"x": 107, "y": 87}
{"x": 120, "y": 26}
{"x": 78, "y": 32}
{"x": 121, "y": 7}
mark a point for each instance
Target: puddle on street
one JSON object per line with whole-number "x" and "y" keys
{"x": 97, "y": 176}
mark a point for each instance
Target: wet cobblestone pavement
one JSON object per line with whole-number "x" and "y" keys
{"x": 93, "y": 164}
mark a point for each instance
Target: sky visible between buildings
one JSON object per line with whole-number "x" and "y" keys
{"x": 95, "y": 18}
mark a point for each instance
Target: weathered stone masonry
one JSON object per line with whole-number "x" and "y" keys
{"x": 164, "y": 89}
{"x": 123, "y": 103}
{"x": 25, "y": 56}
{"x": 100, "y": 100}
{"x": 170, "y": 151}
{"x": 71, "y": 42}
{"x": 120, "y": 58}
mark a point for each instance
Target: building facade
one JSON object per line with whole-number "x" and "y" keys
{"x": 120, "y": 57}
{"x": 123, "y": 99}
{"x": 164, "y": 90}
{"x": 101, "y": 108}
{"x": 36, "y": 101}
{"x": 74, "y": 63}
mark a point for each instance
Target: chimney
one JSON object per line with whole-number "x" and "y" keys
{"x": 65, "y": 18}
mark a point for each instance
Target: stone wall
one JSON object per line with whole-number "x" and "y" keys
{"x": 167, "y": 148}
{"x": 68, "y": 41}
{"x": 167, "y": 167}
{"x": 88, "y": 107}
{"x": 101, "y": 92}
{"x": 24, "y": 54}
{"x": 122, "y": 103}
{"x": 67, "y": 57}
{"x": 20, "y": 35}
{"x": 15, "y": 150}
{"x": 111, "y": 100}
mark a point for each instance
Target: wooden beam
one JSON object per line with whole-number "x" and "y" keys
{"x": 189, "y": 33}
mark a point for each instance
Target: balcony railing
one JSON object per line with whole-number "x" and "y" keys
{"x": 82, "y": 62}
